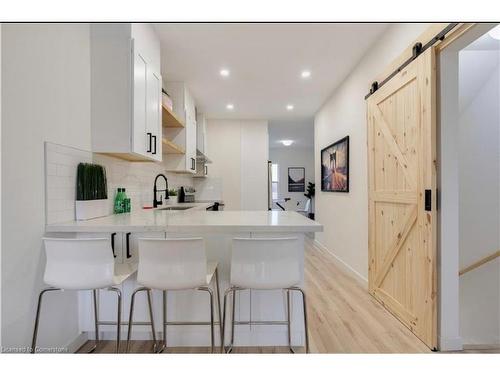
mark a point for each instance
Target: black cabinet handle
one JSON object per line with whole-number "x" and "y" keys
{"x": 113, "y": 244}
{"x": 193, "y": 164}
{"x": 154, "y": 143}
{"x": 128, "y": 245}
{"x": 150, "y": 140}
{"x": 206, "y": 170}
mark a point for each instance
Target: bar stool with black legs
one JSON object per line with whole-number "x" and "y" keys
{"x": 265, "y": 264}
{"x": 174, "y": 264}
{"x": 81, "y": 264}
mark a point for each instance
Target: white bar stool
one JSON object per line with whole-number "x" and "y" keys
{"x": 265, "y": 264}
{"x": 81, "y": 264}
{"x": 174, "y": 264}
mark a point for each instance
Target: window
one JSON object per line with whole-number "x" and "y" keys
{"x": 274, "y": 181}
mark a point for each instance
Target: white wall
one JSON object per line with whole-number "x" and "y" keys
{"x": 345, "y": 216}
{"x": 292, "y": 157}
{"x": 45, "y": 96}
{"x": 0, "y": 185}
{"x": 479, "y": 194}
{"x": 239, "y": 154}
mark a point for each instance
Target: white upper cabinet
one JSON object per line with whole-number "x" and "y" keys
{"x": 126, "y": 91}
{"x": 181, "y": 141}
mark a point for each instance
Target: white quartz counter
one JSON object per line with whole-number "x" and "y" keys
{"x": 195, "y": 219}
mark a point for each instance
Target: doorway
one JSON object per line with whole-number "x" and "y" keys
{"x": 470, "y": 190}
{"x": 291, "y": 166}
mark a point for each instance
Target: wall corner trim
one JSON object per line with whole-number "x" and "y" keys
{"x": 447, "y": 344}
{"x": 73, "y": 345}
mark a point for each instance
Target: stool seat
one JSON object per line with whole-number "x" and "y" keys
{"x": 82, "y": 264}
{"x": 170, "y": 264}
{"x": 265, "y": 264}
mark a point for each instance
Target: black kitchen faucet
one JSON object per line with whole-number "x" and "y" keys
{"x": 156, "y": 202}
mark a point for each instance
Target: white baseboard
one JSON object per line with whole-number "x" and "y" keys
{"x": 447, "y": 344}
{"x": 346, "y": 267}
{"x": 77, "y": 342}
{"x": 481, "y": 346}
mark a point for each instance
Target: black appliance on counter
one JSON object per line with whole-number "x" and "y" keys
{"x": 186, "y": 194}
{"x": 215, "y": 207}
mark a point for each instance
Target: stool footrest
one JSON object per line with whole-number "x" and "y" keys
{"x": 261, "y": 322}
{"x": 109, "y": 323}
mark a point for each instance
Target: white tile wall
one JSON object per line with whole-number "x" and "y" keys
{"x": 60, "y": 180}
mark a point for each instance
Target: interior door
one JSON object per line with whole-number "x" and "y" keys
{"x": 402, "y": 196}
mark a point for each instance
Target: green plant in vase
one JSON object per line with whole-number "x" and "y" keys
{"x": 91, "y": 191}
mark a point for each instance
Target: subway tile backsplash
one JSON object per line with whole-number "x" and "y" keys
{"x": 60, "y": 180}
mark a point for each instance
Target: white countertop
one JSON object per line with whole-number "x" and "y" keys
{"x": 196, "y": 219}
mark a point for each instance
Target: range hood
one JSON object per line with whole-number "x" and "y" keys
{"x": 200, "y": 156}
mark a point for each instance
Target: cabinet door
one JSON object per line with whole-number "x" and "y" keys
{"x": 153, "y": 112}
{"x": 141, "y": 141}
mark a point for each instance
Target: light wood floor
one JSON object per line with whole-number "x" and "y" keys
{"x": 343, "y": 317}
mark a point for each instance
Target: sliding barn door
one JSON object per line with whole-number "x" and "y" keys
{"x": 402, "y": 196}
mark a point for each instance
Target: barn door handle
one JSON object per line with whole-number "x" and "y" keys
{"x": 113, "y": 243}
{"x": 428, "y": 199}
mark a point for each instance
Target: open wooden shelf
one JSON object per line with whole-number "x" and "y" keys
{"x": 170, "y": 147}
{"x": 169, "y": 119}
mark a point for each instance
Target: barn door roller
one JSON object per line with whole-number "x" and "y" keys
{"x": 417, "y": 50}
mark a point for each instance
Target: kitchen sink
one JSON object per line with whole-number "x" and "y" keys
{"x": 176, "y": 208}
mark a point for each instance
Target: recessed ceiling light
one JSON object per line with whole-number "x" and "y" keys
{"x": 224, "y": 72}
{"x": 289, "y": 107}
{"x": 286, "y": 142}
{"x": 495, "y": 33}
{"x": 230, "y": 106}
{"x": 305, "y": 74}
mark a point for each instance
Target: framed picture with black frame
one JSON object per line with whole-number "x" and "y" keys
{"x": 335, "y": 166}
{"x": 296, "y": 179}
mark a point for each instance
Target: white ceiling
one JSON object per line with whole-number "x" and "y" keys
{"x": 301, "y": 132}
{"x": 265, "y": 61}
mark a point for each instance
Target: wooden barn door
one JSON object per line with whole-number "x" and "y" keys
{"x": 402, "y": 196}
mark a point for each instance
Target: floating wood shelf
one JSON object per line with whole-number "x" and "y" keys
{"x": 170, "y": 147}
{"x": 169, "y": 119}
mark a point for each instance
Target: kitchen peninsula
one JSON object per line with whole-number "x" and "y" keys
{"x": 217, "y": 228}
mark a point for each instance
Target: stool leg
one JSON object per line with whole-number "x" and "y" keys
{"x": 222, "y": 348}
{"x": 212, "y": 330}
{"x": 96, "y": 321}
{"x": 288, "y": 313}
{"x": 304, "y": 305}
{"x": 164, "y": 313}
{"x": 218, "y": 304}
{"x": 230, "y": 348}
{"x": 37, "y": 317}
{"x": 232, "y": 321}
{"x": 150, "y": 304}
{"x": 130, "y": 317}
{"x": 119, "y": 316}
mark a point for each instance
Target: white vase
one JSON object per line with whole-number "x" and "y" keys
{"x": 91, "y": 209}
